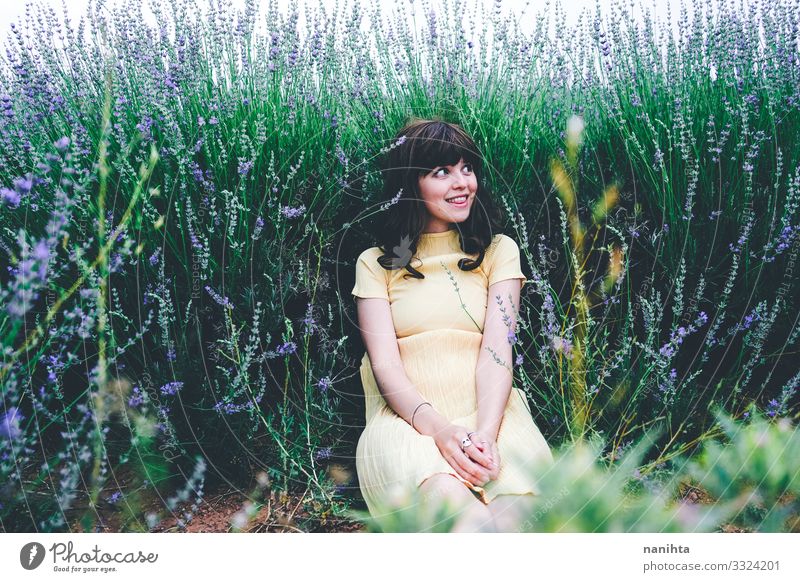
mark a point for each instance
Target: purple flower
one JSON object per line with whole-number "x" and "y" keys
{"x": 10, "y": 197}
{"x": 62, "y": 144}
{"x": 213, "y": 121}
{"x": 323, "y": 454}
{"x": 171, "y": 388}
{"x": 137, "y": 398}
{"x": 324, "y": 384}
{"x": 512, "y": 336}
{"x": 519, "y": 360}
{"x": 9, "y": 424}
{"x": 773, "y": 407}
{"x": 562, "y": 345}
{"x": 114, "y": 497}
{"x": 667, "y": 351}
{"x": 224, "y": 301}
{"x": 154, "y": 258}
{"x": 245, "y": 167}
{"x": 290, "y": 212}
{"x": 287, "y": 348}
{"x": 23, "y": 184}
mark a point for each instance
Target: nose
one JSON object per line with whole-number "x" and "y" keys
{"x": 459, "y": 180}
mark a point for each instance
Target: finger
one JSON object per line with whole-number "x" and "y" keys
{"x": 478, "y": 475}
{"x": 482, "y": 457}
{"x": 478, "y": 451}
{"x": 464, "y": 467}
{"x": 496, "y": 459}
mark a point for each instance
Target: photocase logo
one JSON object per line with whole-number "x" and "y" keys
{"x": 402, "y": 253}
{"x": 31, "y": 555}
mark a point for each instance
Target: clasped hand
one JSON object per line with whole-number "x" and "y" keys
{"x": 478, "y": 463}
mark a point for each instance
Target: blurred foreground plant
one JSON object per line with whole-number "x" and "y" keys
{"x": 760, "y": 464}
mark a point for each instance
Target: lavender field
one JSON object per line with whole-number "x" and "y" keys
{"x": 182, "y": 203}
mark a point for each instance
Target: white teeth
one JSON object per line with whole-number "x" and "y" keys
{"x": 458, "y": 200}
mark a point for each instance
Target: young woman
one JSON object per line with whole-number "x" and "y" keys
{"x": 437, "y": 304}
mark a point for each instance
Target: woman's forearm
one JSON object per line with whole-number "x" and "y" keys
{"x": 401, "y": 396}
{"x": 493, "y": 386}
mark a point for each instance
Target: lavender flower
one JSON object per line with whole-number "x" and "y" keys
{"x": 62, "y": 144}
{"x": 323, "y": 454}
{"x": 562, "y": 345}
{"x": 245, "y": 167}
{"x": 228, "y": 407}
{"x": 224, "y": 301}
{"x": 287, "y": 348}
{"x": 773, "y": 407}
{"x": 259, "y": 228}
{"x": 9, "y": 424}
{"x": 10, "y": 197}
{"x": 137, "y": 398}
{"x": 23, "y": 184}
{"x": 171, "y": 388}
{"x": 324, "y": 384}
{"x": 290, "y": 212}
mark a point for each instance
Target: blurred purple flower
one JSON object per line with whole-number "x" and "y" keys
{"x": 10, "y": 197}
{"x": 9, "y": 424}
{"x": 23, "y": 184}
{"x": 62, "y": 144}
{"x": 773, "y": 407}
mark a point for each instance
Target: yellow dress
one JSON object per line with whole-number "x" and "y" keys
{"x": 439, "y": 341}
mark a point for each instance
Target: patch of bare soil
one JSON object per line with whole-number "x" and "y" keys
{"x": 223, "y": 509}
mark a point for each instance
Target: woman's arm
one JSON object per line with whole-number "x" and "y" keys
{"x": 377, "y": 330}
{"x": 493, "y": 374}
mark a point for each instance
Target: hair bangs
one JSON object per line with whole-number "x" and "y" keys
{"x": 443, "y": 145}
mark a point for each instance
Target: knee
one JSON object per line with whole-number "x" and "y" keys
{"x": 444, "y": 486}
{"x": 474, "y": 516}
{"x": 510, "y": 511}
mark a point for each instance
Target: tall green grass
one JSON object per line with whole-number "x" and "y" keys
{"x": 222, "y": 297}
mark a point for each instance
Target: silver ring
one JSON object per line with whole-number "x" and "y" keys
{"x": 465, "y": 442}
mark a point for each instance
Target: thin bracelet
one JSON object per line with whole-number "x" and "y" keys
{"x": 415, "y": 413}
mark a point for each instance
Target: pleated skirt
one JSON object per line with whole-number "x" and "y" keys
{"x": 393, "y": 459}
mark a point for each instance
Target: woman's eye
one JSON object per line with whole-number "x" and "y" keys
{"x": 436, "y": 172}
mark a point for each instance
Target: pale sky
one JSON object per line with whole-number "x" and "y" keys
{"x": 522, "y": 10}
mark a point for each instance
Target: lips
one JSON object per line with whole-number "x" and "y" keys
{"x": 458, "y": 200}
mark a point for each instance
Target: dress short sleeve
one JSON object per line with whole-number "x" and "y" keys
{"x": 371, "y": 278}
{"x": 504, "y": 260}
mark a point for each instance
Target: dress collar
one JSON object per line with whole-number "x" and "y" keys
{"x": 437, "y": 243}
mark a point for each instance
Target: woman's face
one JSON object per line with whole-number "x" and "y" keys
{"x": 448, "y": 193}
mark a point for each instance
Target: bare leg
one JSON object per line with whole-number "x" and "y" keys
{"x": 474, "y": 515}
{"x": 510, "y": 511}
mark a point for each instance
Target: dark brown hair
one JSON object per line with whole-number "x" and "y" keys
{"x": 417, "y": 148}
